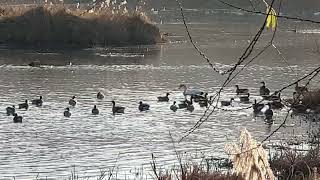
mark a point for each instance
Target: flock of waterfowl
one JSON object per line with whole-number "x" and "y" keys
{"x": 273, "y": 102}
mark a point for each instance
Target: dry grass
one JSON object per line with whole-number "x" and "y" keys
{"x": 56, "y": 26}
{"x": 293, "y": 165}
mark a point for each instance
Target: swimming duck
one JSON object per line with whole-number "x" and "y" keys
{"x": 174, "y": 107}
{"x": 244, "y": 98}
{"x": 210, "y": 100}
{"x": 100, "y": 95}
{"x": 143, "y": 106}
{"x": 241, "y": 91}
{"x": 34, "y": 64}
{"x": 198, "y": 98}
{"x": 183, "y": 104}
{"x": 227, "y": 103}
{"x": 190, "y": 106}
{"x": 95, "y": 110}
{"x": 24, "y": 105}
{"x": 37, "y": 102}
{"x": 72, "y": 101}
{"x": 300, "y": 89}
{"x": 204, "y": 103}
{"x": 276, "y": 104}
{"x": 189, "y": 92}
{"x": 275, "y": 97}
{"x": 117, "y": 109}
{"x": 264, "y": 91}
{"x": 11, "y": 110}
{"x": 257, "y": 107}
{"x": 17, "y": 119}
{"x": 268, "y": 113}
{"x": 164, "y": 98}
{"x": 67, "y": 112}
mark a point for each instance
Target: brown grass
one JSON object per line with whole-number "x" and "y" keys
{"x": 56, "y": 26}
{"x": 289, "y": 164}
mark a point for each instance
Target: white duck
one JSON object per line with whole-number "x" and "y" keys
{"x": 189, "y": 92}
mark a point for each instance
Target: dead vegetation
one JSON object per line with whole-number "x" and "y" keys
{"x": 57, "y": 26}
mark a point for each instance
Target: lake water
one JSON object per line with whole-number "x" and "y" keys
{"x": 49, "y": 145}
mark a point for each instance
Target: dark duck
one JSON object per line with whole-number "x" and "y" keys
{"x": 72, "y": 101}
{"x": 241, "y": 91}
{"x": 117, "y": 109}
{"x": 37, "y": 102}
{"x": 143, "y": 106}
{"x": 24, "y": 105}
{"x": 264, "y": 91}
{"x": 95, "y": 110}
{"x": 164, "y": 98}
{"x": 17, "y": 119}
{"x": 174, "y": 107}
{"x": 67, "y": 112}
{"x": 11, "y": 110}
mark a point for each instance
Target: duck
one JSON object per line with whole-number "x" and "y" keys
{"x": 276, "y": 96}
{"x": 174, "y": 107}
{"x": 189, "y": 104}
{"x": 95, "y": 110}
{"x": 257, "y": 107}
{"x": 227, "y": 103}
{"x": 198, "y": 97}
{"x": 164, "y": 98}
{"x": 100, "y": 95}
{"x": 189, "y": 92}
{"x": 210, "y": 100}
{"x": 201, "y": 98}
{"x": 143, "y": 106}
{"x": 203, "y": 103}
{"x": 183, "y": 104}
{"x": 67, "y": 112}
{"x": 17, "y": 119}
{"x": 37, "y": 102}
{"x": 72, "y": 101}
{"x": 24, "y": 105}
{"x": 277, "y": 104}
{"x": 11, "y": 110}
{"x": 117, "y": 109}
{"x": 264, "y": 91}
{"x": 268, "y": 113}
{"x": 244, "y": 99}
{"x": 241, "y": 91}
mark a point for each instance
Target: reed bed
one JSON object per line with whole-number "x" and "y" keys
{"x": 58, "y": 26}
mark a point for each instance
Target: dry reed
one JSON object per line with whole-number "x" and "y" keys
{"x": 57, "y": 26}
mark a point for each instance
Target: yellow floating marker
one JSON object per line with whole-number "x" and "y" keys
{"x": 271, "y": 19}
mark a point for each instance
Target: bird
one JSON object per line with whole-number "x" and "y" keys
{"x": 227, "y": 103}
{"x": 95, "y": 110}
{"x": 72, "y": 101}
{"x": 241, "y": 91}
{"x": 34, "y": 64}
{"x": 198, "y": 98}
{"x": 67, "y": 112}
{"x": 143, "y": 106}
{"x": 37, "y": 102}
{"x": 274, "y": 97}
{"x": 117, "y": 109}
{"x": 244, "y": 98}
{"x": 189, "y": 92}
{"x": 190, "y": 106}
{"x": 183, "y": 104}
{"x": 11, "y": 110}
{"x": 174, "y": 107}
{"x": 264, "y": 91}
{"x": 300, "y": 89}
{"x": 100, "y": 95}
{"x": 268, "y": 113}
{"x": 164, "y": 98}
{"x": 17, "y": 119}
{"x": 276, "y": 104}
{"x": 24, "y": 105}
{"x": 257, "y": 107}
